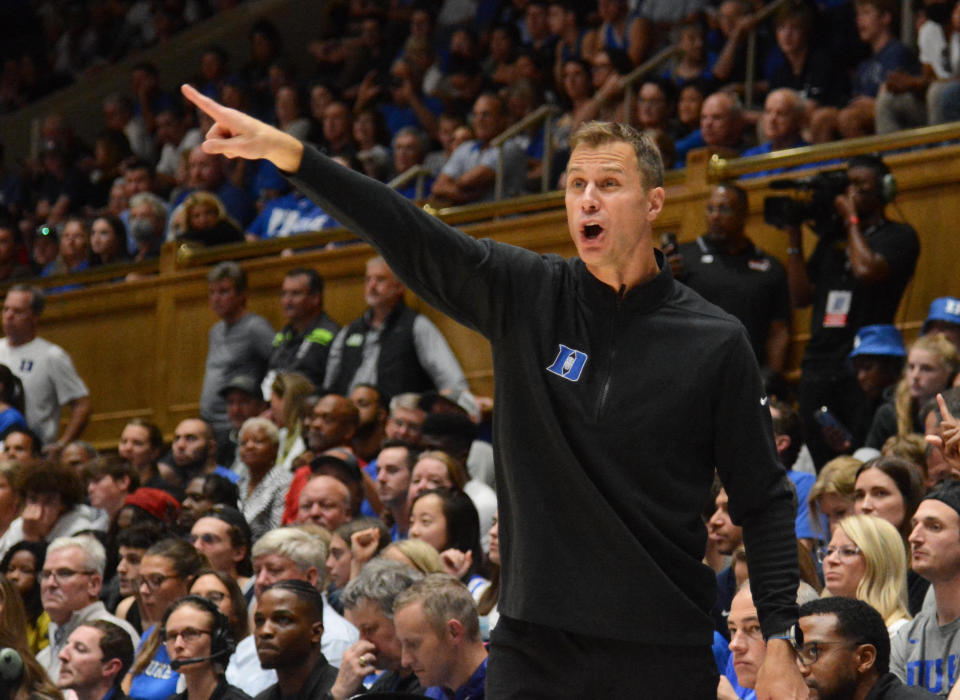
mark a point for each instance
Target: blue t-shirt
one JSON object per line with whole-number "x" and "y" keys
{"x": 872, "y": 72}
{"x": 288, "y": 215}
{"x": 473, "y": 689}
{"x": 803, "y": 482}
{"x": 157, "y": 681}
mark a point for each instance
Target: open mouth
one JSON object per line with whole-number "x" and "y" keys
{"x": 591, "y": 231}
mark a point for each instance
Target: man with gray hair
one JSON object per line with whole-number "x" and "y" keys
{"x": 721, "y": 126}
{"x": 439, "y": 632}
{"x": 288, "y": 553}
{"x": 147, "y": 223}
{"x": 240, "y": 343}
{"x": 70, "y": 585}
{"x": 391, "y": 345}
{"x": 46, "y": 370}
{"x": 368, "y": 604}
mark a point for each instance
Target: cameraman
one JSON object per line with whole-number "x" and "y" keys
{"x": 855, "y": 277}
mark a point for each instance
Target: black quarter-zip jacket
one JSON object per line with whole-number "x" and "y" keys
{"x": 612, "y": 410}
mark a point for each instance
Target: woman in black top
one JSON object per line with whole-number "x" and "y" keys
{"x": 199, "y": 642}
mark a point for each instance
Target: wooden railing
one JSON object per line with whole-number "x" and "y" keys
{"x": 542, "y": 115}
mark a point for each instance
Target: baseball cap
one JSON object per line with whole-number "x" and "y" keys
{"x": 244, "y": 383}
{"x": 947, "y": 492}
{"x": 946, "y": 309}
{"x": 879, "y": 339}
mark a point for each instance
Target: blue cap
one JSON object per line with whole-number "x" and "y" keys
{"x": 881, "y": 339}
{"x": 943, "y": 309}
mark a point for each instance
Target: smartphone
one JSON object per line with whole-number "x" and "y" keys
{"x": 826, "y": 419}
{"x": 668, "y": 242}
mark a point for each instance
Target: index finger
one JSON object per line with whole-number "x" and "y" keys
{"x": 211, "y": 108}
{"x": 944, "y": 411}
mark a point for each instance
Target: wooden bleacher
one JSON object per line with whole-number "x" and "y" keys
{"x": 141, "y": 345}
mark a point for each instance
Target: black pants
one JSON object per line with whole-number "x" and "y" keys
{"x": 532, "y": 661}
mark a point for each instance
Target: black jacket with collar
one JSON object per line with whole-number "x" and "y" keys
{"x": 613, "y": 410}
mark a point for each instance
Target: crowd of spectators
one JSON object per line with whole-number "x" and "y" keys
{"x": 432, "y": 84}
{"x": 337, "y": 481}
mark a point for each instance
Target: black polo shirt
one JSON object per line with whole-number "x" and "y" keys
{"x": 750, "y": 285}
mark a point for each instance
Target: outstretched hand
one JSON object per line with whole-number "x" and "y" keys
{"x": 237, "y": 135}
{"x": 949, "y": 438}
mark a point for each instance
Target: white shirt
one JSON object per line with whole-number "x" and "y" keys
{"x": 49, "y": 381}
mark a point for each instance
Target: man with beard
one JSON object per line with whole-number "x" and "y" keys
{"x": 194, "y": 452}
{"x": 371, "y": 430}
{"x": 95, "y": 660}
{"x": 846, "y": 653}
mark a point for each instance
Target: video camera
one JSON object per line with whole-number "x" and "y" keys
{"x": 816, "y": 206}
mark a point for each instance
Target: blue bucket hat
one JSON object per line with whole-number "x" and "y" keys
{"x": 880, "y": 339}
{"x": 945, "y": 309}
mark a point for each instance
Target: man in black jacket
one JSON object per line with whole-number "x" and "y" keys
{"x": 288, "y": 625}
{"x": 618, "y": 393}
{"x": 846, "y": 653}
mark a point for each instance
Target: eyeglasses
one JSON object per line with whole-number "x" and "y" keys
{"x": 188, "y": 634}
{"x": 810, "y": 652}
{"x": 59, "y": 575}
{"x": 215, "y": 597}
{"x": 153, "y": 581}
{"x": 846, "y": 552}
{"x": 206, "y": 538}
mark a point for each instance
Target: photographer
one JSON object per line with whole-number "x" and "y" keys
{"x": 855, "y": 277}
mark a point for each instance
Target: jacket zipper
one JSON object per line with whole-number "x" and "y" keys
{"x": 605, "y": 390}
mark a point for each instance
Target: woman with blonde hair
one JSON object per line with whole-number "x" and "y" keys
{"x": 287, "y": 393}
{"x": 866, "y": 559}
{"x": 932, "y": 363}
{"x": 416, "y": 554}
{"x": 205, "y": 221}
{"x": 831, "y": 496}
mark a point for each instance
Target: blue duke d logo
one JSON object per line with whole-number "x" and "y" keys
{"x": 568, "y": 363}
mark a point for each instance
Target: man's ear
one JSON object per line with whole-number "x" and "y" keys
{"x": 455, "y": 630}
{"x": 316, "y": 631}
{"x": 655, "y": 199}
{"x": 111, "y": 667}
{"x": 782, "y": 442}
{"x": 865, "y": 657}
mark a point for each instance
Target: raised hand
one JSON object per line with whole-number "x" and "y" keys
{"x": 237, "y": 135}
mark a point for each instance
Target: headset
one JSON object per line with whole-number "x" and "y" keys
{"x": 222, "y": 643}
{"x": 886, "y": 182}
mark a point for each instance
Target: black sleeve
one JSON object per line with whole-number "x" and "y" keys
{"x": 762, "y": 499}
{"x": 781, "y": 309}
{"x": 450, "y": 270}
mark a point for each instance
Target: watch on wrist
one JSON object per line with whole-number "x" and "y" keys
{"x": 792, "y": 634}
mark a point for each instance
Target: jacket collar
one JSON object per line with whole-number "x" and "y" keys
{"x": 641, "y": 298}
